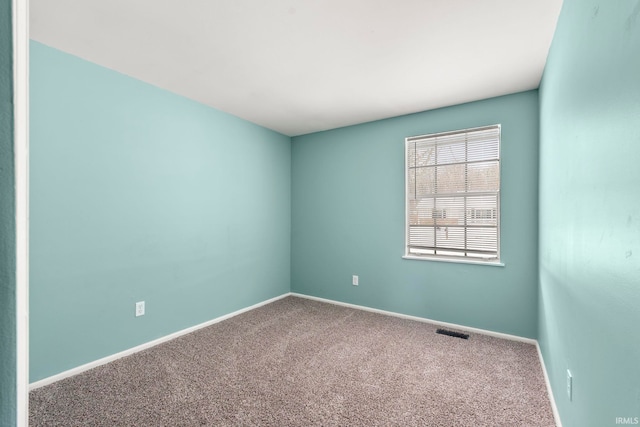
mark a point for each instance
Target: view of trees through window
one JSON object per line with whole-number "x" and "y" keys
{"x": 453, "y": 187}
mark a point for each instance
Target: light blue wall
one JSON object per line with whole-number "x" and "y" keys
{"x": 7, "y": 225}
{"x": 590, "y": 212}
{"x": 348, "y": 218}
{"x": 139, "y": 194}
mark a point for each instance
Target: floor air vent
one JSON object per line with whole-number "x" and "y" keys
{"x": 452, "y": 334}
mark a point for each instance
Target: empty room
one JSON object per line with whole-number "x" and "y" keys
{"x": 338, "y": 213}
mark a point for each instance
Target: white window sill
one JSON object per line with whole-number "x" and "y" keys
{"x": 454, "y": 260}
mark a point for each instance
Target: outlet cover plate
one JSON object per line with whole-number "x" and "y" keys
{"x": 140, "y": 308}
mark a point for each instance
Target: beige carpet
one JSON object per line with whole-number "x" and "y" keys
{"x": 297, "y": 362}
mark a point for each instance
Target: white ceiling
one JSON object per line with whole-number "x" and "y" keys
{"x": 300, "y": 66}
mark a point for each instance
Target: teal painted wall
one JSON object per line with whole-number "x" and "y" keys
{"x": 348, "y": 218}
{"x": 590, "y": 212}
{"x": 140, "y": 194}
{"x": 7, "y": 225}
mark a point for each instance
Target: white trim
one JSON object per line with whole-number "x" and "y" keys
{"x": 422, "y": 319}
{"x": 79, "y": 369}
{"x": 104, "y": 360}
{"x": 454, "y": 260}
{"x": 20, "y": 26}
{"x": 554, "y": 408}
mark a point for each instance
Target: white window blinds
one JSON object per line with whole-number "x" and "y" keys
{"x": 453, "y": 194}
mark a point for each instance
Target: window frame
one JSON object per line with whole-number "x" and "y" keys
{"x": 498, "y": 261}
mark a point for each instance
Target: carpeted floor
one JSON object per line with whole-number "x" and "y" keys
{"x": 297, "y": 362}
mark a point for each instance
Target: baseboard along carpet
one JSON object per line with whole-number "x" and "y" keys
{"x": 297, "y": 362}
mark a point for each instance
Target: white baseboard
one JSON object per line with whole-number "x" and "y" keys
{"x": 79, "y": 369}
{"x": 554, "y": 408}
{"x": 423, "y": 319}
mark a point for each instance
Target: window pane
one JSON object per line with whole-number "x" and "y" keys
{"x": 484, "y": 145}
{"x": 450, "y": 253}
{"x": 421, "y": 212}
{"x": 452, "y": 209}
{"x": 425, "y": 181}
{"x": 420, "y": 251}
{"x": 411, "y": 154}
{"x": 484, "y": 176}
{"x": 452, "y": 152}
{"x": 483, "y": 239}
{"x": 451, "y": 179}
{"x": 411, "y": 184}
{"x": 425, "y": 154}
{"x": 482, "y": 210}
{"x": 421, "y": 236}
{"x": 450, "y": 237}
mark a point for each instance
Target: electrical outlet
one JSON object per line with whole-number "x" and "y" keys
{"x": 569, "y": 385}
{"x": 140, "y": 308}
{"x": 354, "y": 280}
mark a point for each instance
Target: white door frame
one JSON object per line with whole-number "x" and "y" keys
{"x": 20, "y": 26}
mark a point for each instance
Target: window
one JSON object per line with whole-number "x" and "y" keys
{"x": 453, "y": 195}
